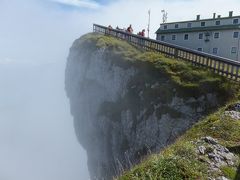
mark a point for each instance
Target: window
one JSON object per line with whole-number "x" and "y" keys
{"x": 218, "y": 23}
{"x": 165, "y": 26}
{"x": 216, "y": 35}
{"x": 235, "y": 34}
{"x": 176, "y": 26}
{"x": 203, "y": 24}
{"x": 189, "y": 25}
{"x": 200, "y": 36}
{"x": 200, "y": 49}
{"x": 215, "y": 50}
{"x": 185, "y": 36}
{"x": 235, "y": 21}
{"x": 162, "y": 38}
{"x": 174, "y": 37}
{"x": 234, "y": 50}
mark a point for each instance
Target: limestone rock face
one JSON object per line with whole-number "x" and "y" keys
{"x": 124, "y": 110}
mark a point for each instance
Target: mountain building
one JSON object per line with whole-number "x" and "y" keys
{"x": 218, "y": 35}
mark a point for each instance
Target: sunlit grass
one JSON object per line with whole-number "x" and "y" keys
{"x": 179, "y": 160}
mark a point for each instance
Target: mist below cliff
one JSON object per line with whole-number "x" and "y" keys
{"x": 37, "y": 137}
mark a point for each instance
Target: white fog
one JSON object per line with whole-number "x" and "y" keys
{"x": 36, "y": 130}
{"x": 37, "y": 138}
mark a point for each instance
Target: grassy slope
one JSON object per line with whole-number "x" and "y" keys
{"x": 179, "y": 161}
{"x": 183, "y": 74}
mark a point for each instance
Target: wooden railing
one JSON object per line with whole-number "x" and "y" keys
{"x": 223, "y": 66}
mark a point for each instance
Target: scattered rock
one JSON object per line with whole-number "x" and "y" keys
{"x": 202, "y": 149}
{"x": 209, "y": 149}
{"x": 210, "y": 140}
{"x": 228, "y": 156}
{"x": 220, "y": 148}
{"x": 222, "y": 178}
{"x": 233, "y": 111}
{"x": 213, "y": 169}
{"x": 233, "y": 114}
{"x": 215, "y": 155}
{"x": 230, "y": 163}
{"x": 237, "y": 107}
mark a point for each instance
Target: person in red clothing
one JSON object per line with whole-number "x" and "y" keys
{"x": 142, "y": 33}
{"x": 129, "y": 29}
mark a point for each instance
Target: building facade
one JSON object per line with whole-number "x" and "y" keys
{"x": 219, "y": 35}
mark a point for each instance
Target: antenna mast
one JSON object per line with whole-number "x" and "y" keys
{"x": 164, "y": 16}
{"x": 149, "y": 15}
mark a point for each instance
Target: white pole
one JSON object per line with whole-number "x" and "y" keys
{"x": 164, "y": 16}
{"x": 163, "y": 12}
{"x": 149, "y": 15}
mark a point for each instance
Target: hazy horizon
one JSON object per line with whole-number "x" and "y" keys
{"x": 36, "y": 129}
{"x": 37, "y": 136}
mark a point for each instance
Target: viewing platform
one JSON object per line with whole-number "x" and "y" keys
{"x": 222, "y": 66}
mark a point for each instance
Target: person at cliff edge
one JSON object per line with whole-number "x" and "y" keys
{"x": 143, "y": 33}
{"x": 130, "y": 29}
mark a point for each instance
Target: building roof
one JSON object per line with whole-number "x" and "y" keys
{"x": 197, "y": 29}
{"x": 209, "y": 19}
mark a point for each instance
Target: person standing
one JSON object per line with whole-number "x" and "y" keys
{"x": 130, "y": 29}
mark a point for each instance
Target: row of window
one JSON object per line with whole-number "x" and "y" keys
{"x": 202, "y": 24}
{"x": 215, "y": 50}
{"x": 200, "y": 36}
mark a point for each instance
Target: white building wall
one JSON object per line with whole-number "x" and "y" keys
{"x": 210, "y": 22}
{"x": 224, "y": 43}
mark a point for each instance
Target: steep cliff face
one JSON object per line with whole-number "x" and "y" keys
{"x": 127, "y": 103}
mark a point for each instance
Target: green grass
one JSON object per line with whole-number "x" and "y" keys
{"x": 218, "y": 126}
{"x": 229, "y": 172}
{"x": 188, "y": 80}
{"x": 193, "y": 79}
{"x": 178, "y": 161}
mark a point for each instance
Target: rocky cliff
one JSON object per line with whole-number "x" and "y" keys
{"x": 128, "y": 103}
